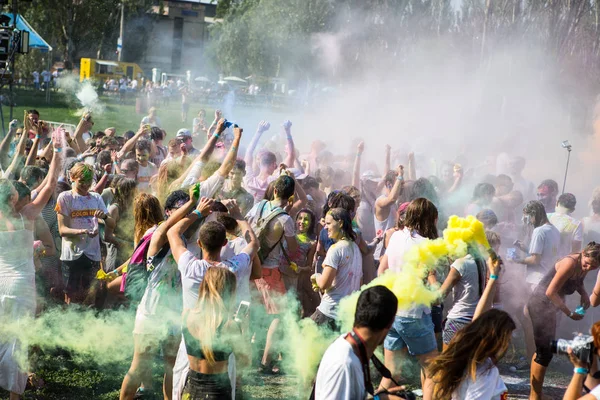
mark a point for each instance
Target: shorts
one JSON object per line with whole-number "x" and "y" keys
{"x": 321, "y": 319}
{"x": 185, "y": 107}
{"x": 437, "y": 317}
{"x": 271, "y": 288}
{"x": 78, "y": 275}
{"x": 452, "y": 326}
{"x": 414, "y": 333}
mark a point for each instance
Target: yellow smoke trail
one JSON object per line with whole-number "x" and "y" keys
{"x": 409, "y": 284}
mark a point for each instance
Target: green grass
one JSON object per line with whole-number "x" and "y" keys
{"x": 65, "y": 108}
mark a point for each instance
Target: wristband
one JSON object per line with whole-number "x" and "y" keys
{"x": 580, "y": 370}
{"x": 198, "y": 213}
{"x": 57, "y": 149}
{"x": 376, "y": 397}
{"x": 37, "y": 136}
{"x": 217, "y": 135}
{"x": 400, "y": 178}
{"x": 494, "y": 277}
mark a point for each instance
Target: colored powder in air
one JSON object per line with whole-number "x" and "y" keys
{"x": 409, "y": 284}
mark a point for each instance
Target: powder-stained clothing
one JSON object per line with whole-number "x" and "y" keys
{"x": 545, "y": 241}
{"x": 571, "y": 230}
{"x": 346, "y": 259}
{"x": 144, "y": 175}
{"x": 80, "y": 209}
{"x": 17, "y": 303}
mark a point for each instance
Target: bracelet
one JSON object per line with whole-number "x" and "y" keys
{"x": 580, "y": 370}
{"x": 217, "y": 135}
{"x": 57, "y": 149}
{"x": 198, "y": 213}
{"x": 400, "y": 178}
{"x": 493, "y": 276}
{"x": 37, "y": 136}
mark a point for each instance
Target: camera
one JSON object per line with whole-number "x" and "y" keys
{"x": 582, "y": 346}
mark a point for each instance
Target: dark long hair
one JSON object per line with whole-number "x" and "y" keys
{"x": 421, "y": 216}
{"x": 486, "y": 337}
{"x": 536, "y": 210}
{"x": 343, "y": 216}
{"x": 313, "y": 221}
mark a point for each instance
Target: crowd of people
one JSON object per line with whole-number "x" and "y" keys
{"x": 209, "y": 247}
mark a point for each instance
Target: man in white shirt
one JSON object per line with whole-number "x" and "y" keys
{"x": 571, "y": 229}
{"x": 36, "y": 80}
{"x": 340, "y": 375}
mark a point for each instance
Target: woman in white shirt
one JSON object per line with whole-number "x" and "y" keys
{"x": 467, "y": 367}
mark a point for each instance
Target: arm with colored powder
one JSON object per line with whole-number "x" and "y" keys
{"x": 231, "y": 157}
{"x": 487, "y": 297}
{"x": 192, "y": 174}
{"x": 17, "y": 157}
{"x": 83, "y": 126}
{"x": 5, "y": 145}
{"x": 356, "y": 170}
{"x": 263, "y": 126}
{"x": 34, "y": 147}
{"x": 159, "y": 238}
{"x": 289, "y": 148}
{"x": 35, "y": 207}
{"x": 174, "y": 234}
{"x": 130, "y": 144}
{"x": 412, "y": 167}
{"x": 392, "y": 197}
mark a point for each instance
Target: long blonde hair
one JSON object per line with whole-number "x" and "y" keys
{"x": 147, "y": 212}
{"x": 216, "y": 295}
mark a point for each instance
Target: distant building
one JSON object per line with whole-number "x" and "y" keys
{"x": 178, "y": 38}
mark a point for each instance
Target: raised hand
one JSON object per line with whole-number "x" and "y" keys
{"x": 263, "y": 126}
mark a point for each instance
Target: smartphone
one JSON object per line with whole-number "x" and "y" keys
{"x": 229, "y": 124}
{"x": 242, "y": 311}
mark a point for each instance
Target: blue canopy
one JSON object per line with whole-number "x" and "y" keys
{"x": 35, "y": 40}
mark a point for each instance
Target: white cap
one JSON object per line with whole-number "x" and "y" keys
{"x": 298, "y": 174}
{"x": 183, "y": 132}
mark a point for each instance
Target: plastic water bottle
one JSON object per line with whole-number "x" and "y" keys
{"x": 580, "y": 310}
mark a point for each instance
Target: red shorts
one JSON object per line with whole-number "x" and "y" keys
{"x": 271, "y": 288}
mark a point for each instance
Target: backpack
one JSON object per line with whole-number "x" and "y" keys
{"x": 260, "y": 224}
{"x": 139, "y": 269}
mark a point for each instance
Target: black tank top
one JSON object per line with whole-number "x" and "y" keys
{"x": 569, "y": 287}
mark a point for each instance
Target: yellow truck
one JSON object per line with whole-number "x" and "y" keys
{"x": 101, "y": 70}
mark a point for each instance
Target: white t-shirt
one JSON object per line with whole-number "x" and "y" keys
{"x": 488, "y": 385}
{"x": 282, "y": 224}
{"x": 400, "y": 243}
{"x": 596, "y": 392}
{"x": 364, "y": 219}
{"x": 81, "y": 210}
{"x": 233, "y": 248}
{"x": 46, "y": 75}
{"x": 545, "y": 241}
{"x": 346, "y": 258}
{"x": 571, "y": 230}
{"x": 144, "y": 175}
{"x": 193, "y": 270}
{"x": 340, "y": 375}
{"x": 154, "y": 122}
{"x": 382, "y": 226}
{"x": 466, "y": 290}
{"x": 36, "y": 77}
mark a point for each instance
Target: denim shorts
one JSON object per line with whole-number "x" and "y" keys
{"x": 414, "y": 333}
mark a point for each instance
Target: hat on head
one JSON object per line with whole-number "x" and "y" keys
{"x": 183, "y": 133}
{"x": 298, "y": 174}
{"x": 370, "y": 176}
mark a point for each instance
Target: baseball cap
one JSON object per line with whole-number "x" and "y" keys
{"x": 370, "y": 176}
{"x": 183, "y": 133}
{"x": 298, "y": 174}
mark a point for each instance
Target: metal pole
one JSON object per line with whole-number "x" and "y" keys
{"x": 566, "y": 170}
{"x": 12, "y": 61}
{"x": 120, "y": 54}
